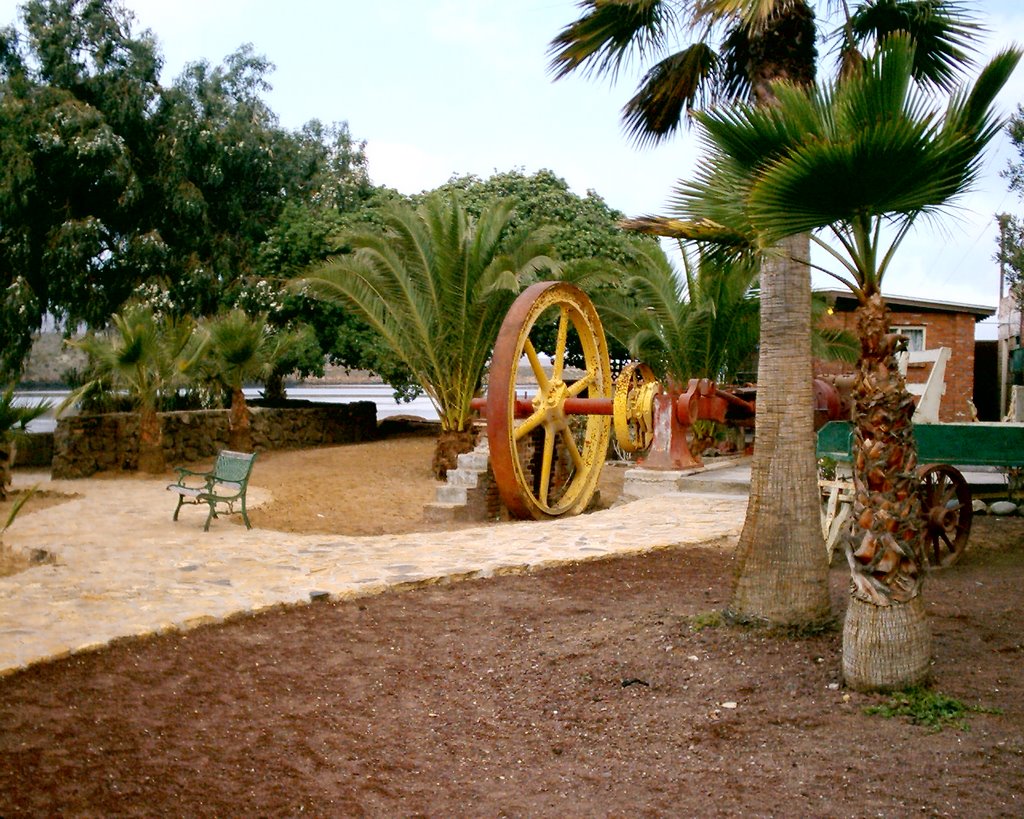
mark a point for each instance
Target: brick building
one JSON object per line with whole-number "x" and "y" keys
{"x": 927, "y": 324}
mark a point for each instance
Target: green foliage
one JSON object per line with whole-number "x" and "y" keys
{"x": 15, "y": 417}
{"x": 109, "y": 181}
{"x": 702, "y": 323}
{"x": 435, "y": 284}
{"x": 1010, "y": 251}
{"x": 931, "y": 709}
{"x": 696, "y": 55}
{"x": 706, "y": 619}
{"x": 584, "y": 230}
{"x": 241, "y": 348}
{"x": 888, "y": 156}
{"x": 146, "y": 357}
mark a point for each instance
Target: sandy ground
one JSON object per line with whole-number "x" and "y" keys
{"x": 602, "y": 688}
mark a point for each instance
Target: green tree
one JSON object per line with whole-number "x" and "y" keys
{"x": 147, "y": 358}
{"x": 75, "y": 91}
{"x": 737, "y": 50}
{"x": 702, "y": 323}
{"x": 435, "y": 284}
{"x": 13, "y": 420}
{"x": 890, "y": 159}
{"x": 242, "y": 349}
{"x": 109, "y": 181}
{"x": 1010, "y": 252}
{"x": 583, "y": 228}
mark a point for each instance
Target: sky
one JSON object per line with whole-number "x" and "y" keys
{"x": 439, "y": 88}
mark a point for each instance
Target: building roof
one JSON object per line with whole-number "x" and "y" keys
{"x": 845, "y": 301}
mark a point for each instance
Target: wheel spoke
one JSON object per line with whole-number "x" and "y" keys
{"x": 582, "y": 384}
{"x": 570, "y": 444}
{"x": 546, "y": 464}
{"x": 558, "y": 365}
{"x": 535, "y": 365}
{"x": 529, "y": 425}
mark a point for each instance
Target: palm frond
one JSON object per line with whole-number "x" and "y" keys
{"x": 608, "y": 35}
{"x": 942, "y": 32}
{"x": 435, "y": 284}
{"x": 668, "y": 91}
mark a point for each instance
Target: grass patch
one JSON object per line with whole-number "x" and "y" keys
{"x": 929, "y": 708}
{"x": 706, "y": 619}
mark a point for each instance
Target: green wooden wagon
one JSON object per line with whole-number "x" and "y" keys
{"x": 946, "y": 502}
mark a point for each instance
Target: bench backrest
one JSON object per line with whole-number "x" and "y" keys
{"x": 233, "y": 467}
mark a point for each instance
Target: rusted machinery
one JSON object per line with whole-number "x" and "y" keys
{"x": 549, "y": 425}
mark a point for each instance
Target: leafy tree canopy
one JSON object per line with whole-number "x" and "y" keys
{"x": 582, "y": 227}
{"x": 110, "y": 181}
{"x": 1010, "y": 253}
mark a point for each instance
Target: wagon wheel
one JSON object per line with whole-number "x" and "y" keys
{"x": 947, "y": 512}
{"x": 547, "y": 462}
{"x": 633, "y": 417}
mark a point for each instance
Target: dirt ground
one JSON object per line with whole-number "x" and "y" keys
{"x": 604, "y": 688}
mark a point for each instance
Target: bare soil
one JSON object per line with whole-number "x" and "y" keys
{"x": 604, "y": 688}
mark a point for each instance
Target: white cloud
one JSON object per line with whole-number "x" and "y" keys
{"x": 406, "y": 167}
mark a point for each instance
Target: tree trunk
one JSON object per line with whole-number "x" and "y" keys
{"x": 8, "y": 451}
{"x": 239, "y": 423}
{"x": 151, "y": 442}
{"x": 886, "y": 648}
{"x": 782, "y": 567}
{"x": 886, "y": 643}
{"x": 273, "y": 388}
{"x": 450, "y": 444}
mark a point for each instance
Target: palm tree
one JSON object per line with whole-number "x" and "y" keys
{"x": 13, "y": 420}
{"x": 781, "y": 572}
{"x": 241, "y": 349}
{"x": 147, "y": 358}
{"x": 436, "y": 285}
{"x": 846, "y": 161}
{"x": 702, "y": 323}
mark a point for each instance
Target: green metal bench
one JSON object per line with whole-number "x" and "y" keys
{"x": 225, "y": 484}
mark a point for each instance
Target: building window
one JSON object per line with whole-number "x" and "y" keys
{"x": 915, "y": 337}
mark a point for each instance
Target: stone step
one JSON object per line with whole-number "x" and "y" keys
{"x": 442, "y": 512}
{"x": 475, "y": 461}
{"x": 463, "y": 477}
{"x": 447, "y": 493}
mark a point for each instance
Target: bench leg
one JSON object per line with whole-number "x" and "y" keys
{"x": 181, "y": 500}
{"x": 245, "y": 517}
{"x": 211, "y": 516}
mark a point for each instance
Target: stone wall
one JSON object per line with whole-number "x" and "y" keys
{"x": 86, "y": 444}
{"x": 34, "y": 449}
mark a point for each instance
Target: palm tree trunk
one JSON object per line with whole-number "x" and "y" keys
{"x": 7, "y": 455}
{"x": 151, "y": 444}
{"x": 239, "y": 423}
{"x": 782, "y": 568}
{"x": 886, "y": 640}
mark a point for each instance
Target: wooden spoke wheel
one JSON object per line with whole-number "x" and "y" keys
{"x": 947, "y": 511}
{"x": 547, "y": 450}
{"x": 633, "y": 418}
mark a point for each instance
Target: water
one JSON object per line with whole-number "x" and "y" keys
{"x": 380, "y": 394}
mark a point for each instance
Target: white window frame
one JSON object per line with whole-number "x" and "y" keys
{"x": 910, "y": 331}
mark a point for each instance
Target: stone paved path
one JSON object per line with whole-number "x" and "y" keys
{"x": 124, "y": 568}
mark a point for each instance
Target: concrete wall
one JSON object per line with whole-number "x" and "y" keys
{"x": 86, "y": 444}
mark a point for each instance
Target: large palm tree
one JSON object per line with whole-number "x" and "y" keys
{"x": 436, "y": 284}
{"x": 737, "y": 49}
{"x": 147, "y": 358}
{"x": 845, "y": 162}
